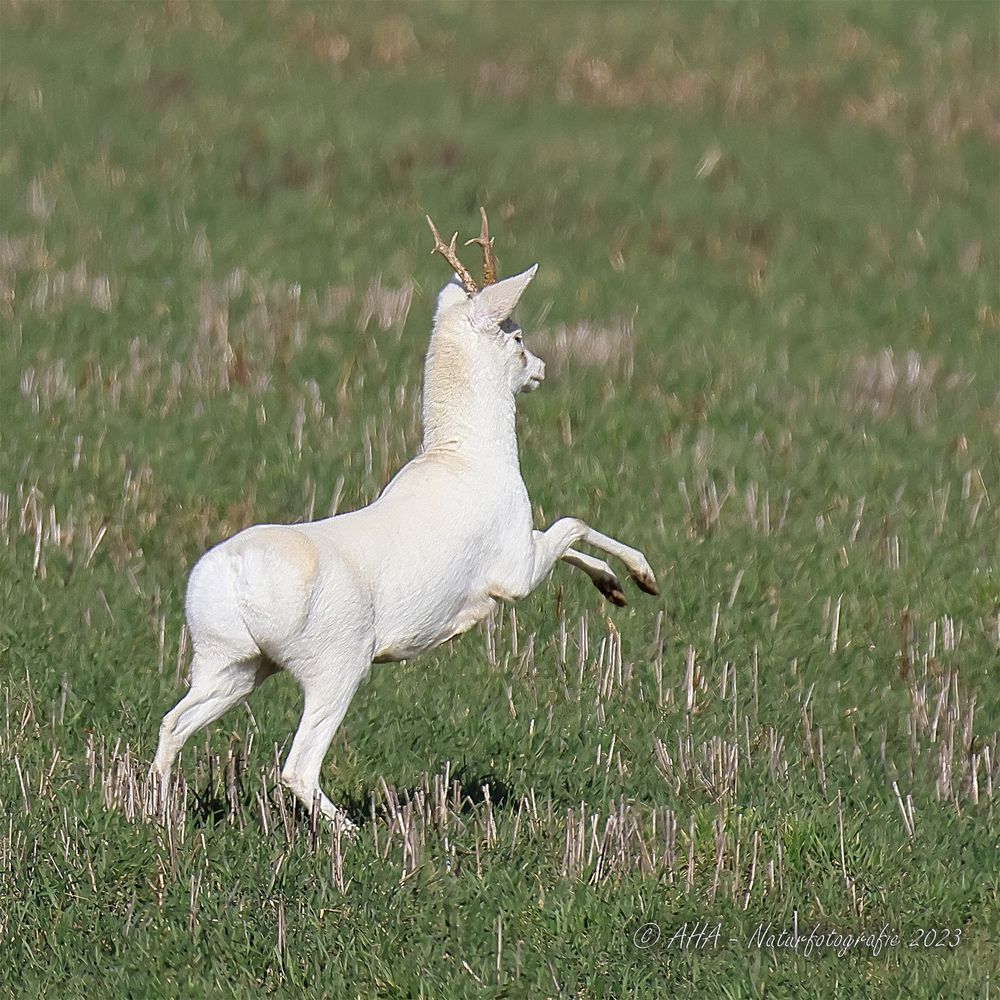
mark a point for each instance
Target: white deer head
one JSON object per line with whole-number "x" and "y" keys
{"x": 477, "y": 361}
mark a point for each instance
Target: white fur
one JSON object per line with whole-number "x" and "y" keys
{"x": 450, "y": 535}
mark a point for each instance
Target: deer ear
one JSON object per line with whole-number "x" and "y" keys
{"x": 450, "y": 295}
{"x": 495, "y": 303}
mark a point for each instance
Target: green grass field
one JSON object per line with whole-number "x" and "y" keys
{"x": 768, "y": 300}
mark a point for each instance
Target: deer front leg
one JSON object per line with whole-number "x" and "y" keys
{"x": 635, "y": 562}
{"x": 601, "y": 575}
{"x": 554, "y": 544}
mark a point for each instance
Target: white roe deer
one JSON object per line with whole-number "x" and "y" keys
{"x": 450, "y": 536}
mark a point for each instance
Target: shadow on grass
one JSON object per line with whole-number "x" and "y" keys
{"x": 468, "y": 789}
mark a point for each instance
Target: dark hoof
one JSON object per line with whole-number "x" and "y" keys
{"x": 612, "y": 590}
{"x": 646, "y": 584}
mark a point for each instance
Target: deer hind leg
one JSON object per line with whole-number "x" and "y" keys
{"x": 328, "y": 684}
{"x": 218, "y": 683}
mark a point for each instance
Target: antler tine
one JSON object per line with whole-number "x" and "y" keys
{"x": 486, "y": 242}
{"x": 448, "y": 252}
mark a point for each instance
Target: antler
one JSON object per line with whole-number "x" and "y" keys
{"x": 448, "y": 252}
{"x": 486, "y": 242}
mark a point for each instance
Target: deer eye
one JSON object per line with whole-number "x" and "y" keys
{"x": 518, "y": 339}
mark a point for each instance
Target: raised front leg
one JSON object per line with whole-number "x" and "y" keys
{"x": 601, "y": 575}
{"x": 556, "y": 542}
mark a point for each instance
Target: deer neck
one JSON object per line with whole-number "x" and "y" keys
{"x": 466, "y": 408}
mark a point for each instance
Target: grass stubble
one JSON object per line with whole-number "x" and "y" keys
{"x": 767, "y": 295}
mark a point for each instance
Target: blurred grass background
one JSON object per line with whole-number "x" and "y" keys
{"x": 768, "y": 237}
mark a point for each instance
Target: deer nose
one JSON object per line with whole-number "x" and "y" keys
{"x": 541, "y": 369}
